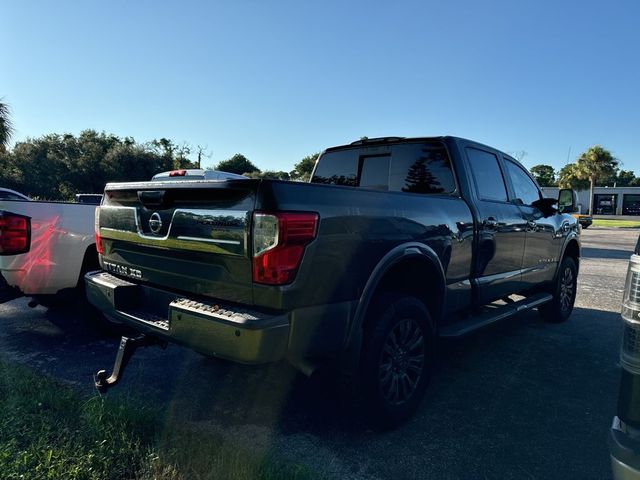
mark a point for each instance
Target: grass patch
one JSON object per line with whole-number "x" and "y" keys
{"x": 599, "y": 222}
{"x": 50, "y": 431}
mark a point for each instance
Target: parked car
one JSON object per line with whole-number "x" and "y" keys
{"x": 8, "y": 194}
{"x": 92, "y": 198}
{"x": 624, "y": 438}
{"x": 394, "y": 243}
{"x": 584, "y": 220}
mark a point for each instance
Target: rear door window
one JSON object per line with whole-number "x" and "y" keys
{"x": 421, "y": 168}
{"x": 487, "y": 175}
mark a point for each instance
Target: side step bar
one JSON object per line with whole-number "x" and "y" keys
{"x": 476, "y": 322}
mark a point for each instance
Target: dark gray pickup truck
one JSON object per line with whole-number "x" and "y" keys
{"x": 394, "y": 243}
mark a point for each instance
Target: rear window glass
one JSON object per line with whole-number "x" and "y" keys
{"x": 338, "y": 168}
{"x": 411, "y": 167}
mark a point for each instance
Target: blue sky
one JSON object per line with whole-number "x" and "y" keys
{"x": 277, "y": 80}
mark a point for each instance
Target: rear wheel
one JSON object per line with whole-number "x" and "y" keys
{"x": 564, "y": 293}
{"x": 397, "y": 359}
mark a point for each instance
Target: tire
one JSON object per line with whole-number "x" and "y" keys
{"x": 559, "y": 309}
{"x": 397, "y": 359}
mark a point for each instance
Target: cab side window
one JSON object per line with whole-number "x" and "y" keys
{"x": 526, "y": 191}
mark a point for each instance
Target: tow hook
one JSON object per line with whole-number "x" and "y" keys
{"x": 127, "y": 348}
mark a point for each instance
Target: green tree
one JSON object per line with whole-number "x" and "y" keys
{"x": 174, "y": 156}
{"x": 595, "y": 164}
{"x": 545, "y": 175}
{"x": 303, "y": 169}
{"x": 568, "y": 178}
{"x": 56, "y": 167}
{"x": 6, "y": 126}
{"x": 237, "y": 164}
{"x": 269, "y": 174}
{"x": 626, "y": 178}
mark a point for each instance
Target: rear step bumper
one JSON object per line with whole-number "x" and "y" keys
{"x": 218, "y": 330}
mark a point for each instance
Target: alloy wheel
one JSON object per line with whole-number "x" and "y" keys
{"x": 567, "y": 289}
{"x": 402, "y": 361}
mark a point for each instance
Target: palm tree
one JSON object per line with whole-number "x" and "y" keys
{"x": 568, "y": 178}
{"x": 593, "y": 165}
{"x": 6, "y": 127}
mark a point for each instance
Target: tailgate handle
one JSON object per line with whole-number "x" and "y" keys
{"x": 153, "y": 198}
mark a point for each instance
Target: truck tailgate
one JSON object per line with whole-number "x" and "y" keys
{"x": 189, "y": 236}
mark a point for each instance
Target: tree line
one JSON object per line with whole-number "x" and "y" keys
{"x": 595, "y": 167}
{"x": 58, "y": 166}
{"x": 597, "y": 164}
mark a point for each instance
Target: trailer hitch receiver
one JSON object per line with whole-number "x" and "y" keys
{"x": 128, "y": 346}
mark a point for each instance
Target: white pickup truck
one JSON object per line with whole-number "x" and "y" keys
{"x": 45, "y": 248}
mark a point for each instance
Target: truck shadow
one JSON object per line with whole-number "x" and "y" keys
{"x": 605, "y": 253}
{"x": 522, "y": 372}
{"x": 523, "y": 351}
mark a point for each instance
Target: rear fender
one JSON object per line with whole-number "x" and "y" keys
{"x": 408, "y": 251}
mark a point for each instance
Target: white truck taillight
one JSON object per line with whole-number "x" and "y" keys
{"x": 15, "y": 233}
{"x": 628, "y": 412}
{"x": 99, "y": 245}
{"x": 279, "y": 240}
{"x": 630, "y": 351}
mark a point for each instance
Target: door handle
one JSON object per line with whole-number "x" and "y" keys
{"x": 490, "y": 223}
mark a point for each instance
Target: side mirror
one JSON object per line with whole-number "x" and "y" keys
{"x": 567, "y": 201}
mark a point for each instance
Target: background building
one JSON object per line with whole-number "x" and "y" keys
{"x": 606, "y": 200}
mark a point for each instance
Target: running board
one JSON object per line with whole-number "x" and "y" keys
{"x": 476, "y": 322}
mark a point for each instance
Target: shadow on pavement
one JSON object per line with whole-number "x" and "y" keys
{"x": 501, "y": 400}
{"x": 606, "y": 253}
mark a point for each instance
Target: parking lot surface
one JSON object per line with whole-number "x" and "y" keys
{"x": 521, "y": 400}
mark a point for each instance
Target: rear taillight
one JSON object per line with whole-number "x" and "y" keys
{"x": 15, "y": 233}
{"x": 279, "y": 240}
{"x": 99, "y": 245}
{"x": 630, "y": 352}
{"x": 177, "y": 173}
{"x": 629, "y": 396}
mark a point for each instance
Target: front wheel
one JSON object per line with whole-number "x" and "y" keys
{"x": 398, "y": 357}
{"x": 564, "y": 293}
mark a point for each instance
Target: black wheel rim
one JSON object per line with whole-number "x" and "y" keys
{"x": 402, "y": 361}
{"x": 567, "y": 289}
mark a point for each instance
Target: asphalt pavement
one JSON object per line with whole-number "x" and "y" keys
{"x": 521, "y": 400}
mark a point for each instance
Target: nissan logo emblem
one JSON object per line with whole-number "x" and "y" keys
{"x": 155, "y": 222}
